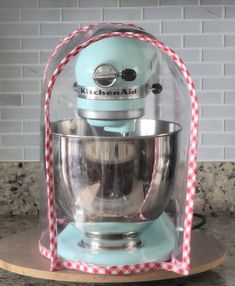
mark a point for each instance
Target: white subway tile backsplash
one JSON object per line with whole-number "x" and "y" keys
{"x": 205, "y": 69}
{"x": 217, "y": 2}
{"x": 33, "y": 99}
{"x": 98, "y": 3}
{"x": 210, "y": 153}
{"x": 18, "y": 4}
{"x": 10, "y": 99}
{"x": 178, "y": 2}
{"x": 32, "y": 71}
{"x": 137, "y": 3}
{"x": 31, "y": 126}
{"x": 9, "y": 15}
{"x": 203, "y": 12}
{"x": 19, "y": 57}
{"x": 229, "y": 69}
{"x": 10, "y": 43}
{"x": 201, "y": 41}
{"x": 10, "y": 126}
{"x": 19, "y": 85}
{"x": 218, "y": 139}
{"x": 10, "y": 71}
{"x": 162, "y": 13}
{"x": 20, "y": 113}
{"x": 229, "y": 125}
{"x": 57, "y": 3}
{"x": 218, "y": 83}
{"x": 189, "y": 55}
{"x": 44, "y": 56}
{"x": 39, "y": 43}
{"x": 218, "y": 111}
{"x": 130, "y": 14}
{"x": 16, "y": 29}
{"x": 216, "y": 55}
{"x": 230, "y": 40}
{"x": 20, "y": 140}
{"x": 229, "y": 153}
{"x": 31, "y": 154}
{"x": 219, "y": 26}
{"x": 213, "y": 97}
{"x": 11, "y": 154}
{"x": 58, "y": 29}
{"x": 181, "y": 27}
{"x": 77, "y": 15}
{"x": 229, "y": 97}
{"x": 41, "y": 15}
{"x": 211, "y": 125}
{"x": 173, "y": 41}
{"x": 230, "y": 11}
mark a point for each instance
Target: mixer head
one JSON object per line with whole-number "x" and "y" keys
{"x": 112, "y": 81}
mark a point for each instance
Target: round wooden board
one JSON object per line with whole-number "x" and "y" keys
{"x": 19, "y": 254}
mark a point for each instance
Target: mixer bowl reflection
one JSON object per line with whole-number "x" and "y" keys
{"x": 111, "y": 185}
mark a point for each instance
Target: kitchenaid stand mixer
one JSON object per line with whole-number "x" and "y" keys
{"x": 118, "y": 145}
{"x": 118, "y": 161}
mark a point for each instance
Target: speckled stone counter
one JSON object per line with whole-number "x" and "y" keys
{"x": 221, "y": 227}
{"x": 215, "y": 189}
{"x": 19, "y": 188}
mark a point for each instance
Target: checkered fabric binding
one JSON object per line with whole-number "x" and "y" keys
{"x": 181, "y": 267}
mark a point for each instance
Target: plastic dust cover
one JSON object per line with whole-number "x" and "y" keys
{"x": 118, "y": 153}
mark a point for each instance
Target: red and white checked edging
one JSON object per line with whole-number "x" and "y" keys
{"x": 114, "y": 269}
{"x": 175, "y": 265}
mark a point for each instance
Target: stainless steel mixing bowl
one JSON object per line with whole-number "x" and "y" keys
{"x": 103, "y": 177}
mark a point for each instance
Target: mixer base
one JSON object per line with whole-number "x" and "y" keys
{"x": 19, "y": 254}
{"x": 158, "y": 242}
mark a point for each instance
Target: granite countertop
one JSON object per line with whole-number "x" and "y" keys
{"x": 221, "y": 227}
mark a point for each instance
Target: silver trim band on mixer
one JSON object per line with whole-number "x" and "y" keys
{"x": 112, "y": 236}
{"x": 111, "y": 115}
{"x": 97, "y": 245}
{"x": 112, "y": 93}
{"x": 111, "y": 241}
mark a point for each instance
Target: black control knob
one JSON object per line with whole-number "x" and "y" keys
{"x": 128, "y": 75}
{"x": 156, "y": 88}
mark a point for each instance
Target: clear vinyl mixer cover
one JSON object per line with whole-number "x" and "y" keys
{"x": 119, "y": 172}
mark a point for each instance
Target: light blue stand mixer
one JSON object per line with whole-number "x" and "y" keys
{"x": 114, "y": 169}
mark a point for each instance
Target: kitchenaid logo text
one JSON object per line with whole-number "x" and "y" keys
{"x": 123, "y": 91}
